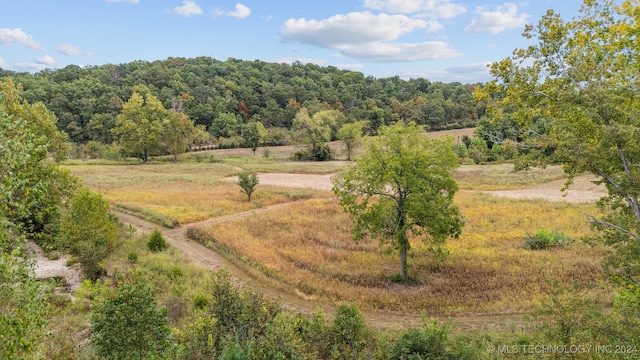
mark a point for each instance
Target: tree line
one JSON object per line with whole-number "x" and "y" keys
{"x": 222, "y": 95}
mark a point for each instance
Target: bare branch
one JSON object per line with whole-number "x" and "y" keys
{"x": 611, "y": 225}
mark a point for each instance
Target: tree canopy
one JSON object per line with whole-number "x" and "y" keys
{"x": 86, "y": 100}
{"x": 401, "y": 185}
{"x": 580, "y": 79}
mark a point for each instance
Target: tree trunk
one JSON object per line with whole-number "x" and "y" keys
{"x": 403, "y": 262}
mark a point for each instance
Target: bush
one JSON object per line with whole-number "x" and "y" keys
{"x": 156, "y": 241}
{"x": 428, "y": 343}
{"x": 545, "y": 239}
{"x": 320, "y": 152}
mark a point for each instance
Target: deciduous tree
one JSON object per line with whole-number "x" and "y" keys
{"x": 401, "y": 185}
{"x": 582, "y": 77}
{"x": 88, "y": 230}
{"x": 139, "y": 126}
{"x": 128, "y": 325}
{"x": 248, "y": 183}
{"x": 351, "y": 135}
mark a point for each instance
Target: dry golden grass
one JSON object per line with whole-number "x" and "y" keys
{"x": 308, "y": 248}
{"x": 174, "y": 194}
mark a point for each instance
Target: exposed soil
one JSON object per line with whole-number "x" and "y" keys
{"x": 46, "y": 269}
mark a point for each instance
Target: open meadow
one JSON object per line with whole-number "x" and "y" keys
{"x": 305, "y": 246}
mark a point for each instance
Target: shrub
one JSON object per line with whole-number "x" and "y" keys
{"x": 545, "y": 239}
{"x": 156, "y": 241}
{"x": 428, "y": 343}
{"x": 320, "y": 152}
{"x": 132, "y": 257}
{"x": 349, "y": 331}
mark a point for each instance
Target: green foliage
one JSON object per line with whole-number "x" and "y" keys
{"x": 319, "y": 152}
{"x": 578, "y": 81}
{"x": 248, "y": 183}
{"x": 402, "y": 184}
{"x": 32, "y": 190}
{"x": 127, "y": 324}
{"x": 351, "y": 135}
{"x": 544, "y": 239}
{"x": 22, "y": 309}
{"x": 156, "y": 242}
{"x": 428, "y": 343}
{"x": 139, "y": 126}
{"x": 178, "y": 133}
{"x": 251, "y": 136}
{"x": 225, "y": 125}
{"x": 89, "y": 231}
{"x": 350, "y": 332}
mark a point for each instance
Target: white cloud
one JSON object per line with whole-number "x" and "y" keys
{"x": 70, "y": 50}
{"x": 46, "y": 60}
{"x": 352, "y": 67}
{"x": 365, "y": 36}
{"x": 349, "y": 29}
{"x": 240, "y": 12}
{"x": 188, "y": 8}
{"x": 475, "y": 68}
{"x": 3, "y": 64}
{"x": 304, "y": 60}
{"x": 13, "y": 37}
{"x": 436, "y": 9}
{"x": 502, "y": 18}
{"x": 389, "y": 52}
{"x": 124, "y": 1}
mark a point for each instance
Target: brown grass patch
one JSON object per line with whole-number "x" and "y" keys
{"x": 308, "y": 248}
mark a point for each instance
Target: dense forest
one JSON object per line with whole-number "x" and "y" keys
{"x": 87, "y": 100}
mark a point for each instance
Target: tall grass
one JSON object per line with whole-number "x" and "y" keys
{"x": 307, "y": 246}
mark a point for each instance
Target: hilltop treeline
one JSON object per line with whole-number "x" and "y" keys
{"x": 87, "y": 100}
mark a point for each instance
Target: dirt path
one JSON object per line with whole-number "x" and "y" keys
{"x": 294, "y": 300}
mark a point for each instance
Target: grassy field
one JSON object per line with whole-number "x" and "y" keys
{"x": 177, "y": 194}
{"x": 308, "y": 248}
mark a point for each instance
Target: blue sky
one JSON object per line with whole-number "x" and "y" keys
{"x": 440, "y": 40}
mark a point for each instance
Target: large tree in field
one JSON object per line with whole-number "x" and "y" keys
{"x": 402, "y": 185}
{"x": 581, "y": 78}
{"x": 139, "y": 126}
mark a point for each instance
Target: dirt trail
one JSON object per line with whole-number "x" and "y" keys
{"x": 293, "y": 299}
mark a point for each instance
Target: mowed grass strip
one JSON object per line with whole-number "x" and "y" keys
{"x": 178, "y": 194}
{"x": 307, "y": 247}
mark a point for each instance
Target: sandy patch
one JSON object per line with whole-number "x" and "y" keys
{"x": 582, "y": 189}
{"x": 46, "y": 268}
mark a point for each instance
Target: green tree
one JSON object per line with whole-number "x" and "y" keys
{"x": 581, "y": 75}
{"x": 402, "y": 184}
{"x": 251, "y": 135}
{"x": 31, "y": 190}
{"x": 248, "y": 183}
{"x": 128, "y": 325}
{"x": 89, "y": 231}
{"x": 351, "y": 135}
{"x": 179, "y": 133}
{"x": 224, "y": 125}
{"x": 156, "y": 242}
{"x": 139, "y": 126}
{"x": 313, "y": 131}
